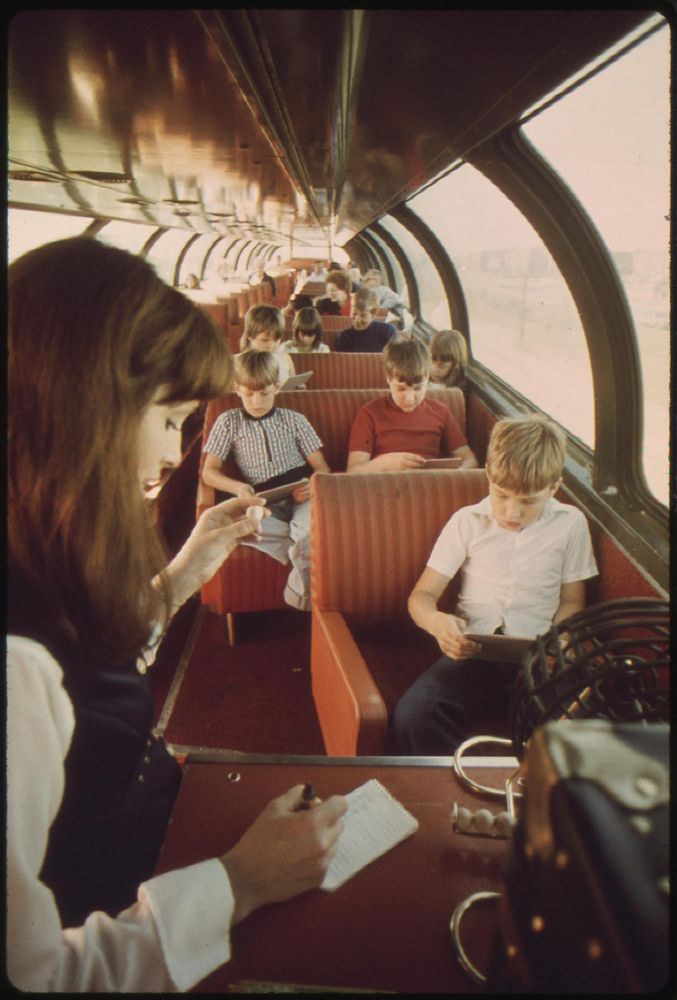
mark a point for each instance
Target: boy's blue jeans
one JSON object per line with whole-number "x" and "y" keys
{"x": 285, "y": 536}
{"x": 448, "y": 702}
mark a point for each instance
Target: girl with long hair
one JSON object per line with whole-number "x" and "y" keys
{"x": 449, "y": 355}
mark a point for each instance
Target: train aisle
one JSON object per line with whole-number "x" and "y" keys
{"x": 254, "y": 697}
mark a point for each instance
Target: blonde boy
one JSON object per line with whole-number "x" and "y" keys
{"x": 523, "y": 557}
{"x": 400, "y": 431}
{"x": 264, "y": 331}
{"x": 272, "y": 446}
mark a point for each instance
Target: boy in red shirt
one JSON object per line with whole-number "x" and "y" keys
{"x": 402, "y": 430}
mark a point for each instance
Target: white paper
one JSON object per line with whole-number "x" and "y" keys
{"x": 374, "y": 822}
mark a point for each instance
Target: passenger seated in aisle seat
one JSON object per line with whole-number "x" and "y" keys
{"x": 307, "y": 334}
{"x": 523, "y": 557}
{"x": 192, "y": 281}
{"x": 194, "y": 292}
{"x": 264, "y": 331}
{"x": 337, "y": 300}
{"x": 222, "y": 282}
{"x": 297, "y": 302}
{"x": 318, "y": 272}
{"x": 367, "y": 334}
{"x": 276, "y": 268}
{"x": 402, "y": 430}
{"x": 387, "y": 298}
{"x": 355, "y": 277}
{"x": 272, "y": 446}
{"x": 260, "y": 275}
{"x": 89, "y": 787}
{"x": 449, "y": 354}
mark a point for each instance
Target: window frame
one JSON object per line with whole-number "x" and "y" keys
{"x": 609, "y": 482}
{"x": 377, "y": 257}
{"x": 362, "y": 248}
{"x": 407, "y": 270}
{"x": 453, "y": 289}
{"x": 184, "y": 252}
{"x": 246, "y": 243}
{"x": 152, "y": 239}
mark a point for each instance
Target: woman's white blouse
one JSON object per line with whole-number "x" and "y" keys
{"x": 172, "y": 937}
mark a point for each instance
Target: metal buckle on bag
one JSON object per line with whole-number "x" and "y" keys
{"x": 455, "y": 928}
{"x": 482, "y": 822}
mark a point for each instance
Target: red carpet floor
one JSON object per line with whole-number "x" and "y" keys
{"x": 254, "y": 696}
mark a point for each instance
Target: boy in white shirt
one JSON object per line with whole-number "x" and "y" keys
{"x": 264, "y": 331}
{"x": 524, "y": 557}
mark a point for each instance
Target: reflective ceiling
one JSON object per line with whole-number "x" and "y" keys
{"x": 271, "y": 124}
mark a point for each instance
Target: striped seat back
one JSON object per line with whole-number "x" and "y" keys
{"x": 339, "y": 370}
{"x": 372, "y": 536}
{"x": 331, "y": 412}
{"x": 334, "y": 324}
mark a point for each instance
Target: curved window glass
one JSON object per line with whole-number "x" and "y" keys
{"x": 523, "y": 321}
{"x": 194, "y": 260}
{"x": 252, "y": 257}
{"x": 130, "y": 236}
{"x": 622, "y": 119}
{"x": 400, "y": 281}
{"x": 434, "y": 305}
{"x": 165, "y": 251}
{"x": 234, "y": 255}
{"x": 27, "y": 229}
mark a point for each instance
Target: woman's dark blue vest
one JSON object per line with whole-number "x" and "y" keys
{"x": 120, "y": 784}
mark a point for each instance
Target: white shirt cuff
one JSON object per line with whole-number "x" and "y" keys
{"x": 193, "y": 910}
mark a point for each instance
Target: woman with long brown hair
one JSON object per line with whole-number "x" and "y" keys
{"x": 105, "y": 361}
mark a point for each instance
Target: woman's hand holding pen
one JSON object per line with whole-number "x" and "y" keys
{"x": 448, "y": 631}
{"x": 285, "y": 851}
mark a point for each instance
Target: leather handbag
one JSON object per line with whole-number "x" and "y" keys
{"x": 585, "y": 906}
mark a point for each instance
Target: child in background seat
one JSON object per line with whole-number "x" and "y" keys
{"x": 307, "y": 334}
{"x": 367, "y": 334}
{"x": 402, "y": 430}
{"x": 523, "y": 557}
{"x": 272, "y": 446}
{"x": 449, "y": 354}
{"x": 264, "y": 331}
{"x": 336, "y": 302}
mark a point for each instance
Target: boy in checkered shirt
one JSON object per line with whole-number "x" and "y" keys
{"x": 272, "y": 447}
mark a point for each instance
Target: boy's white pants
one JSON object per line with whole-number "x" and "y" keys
{"x": 285, "y": 536}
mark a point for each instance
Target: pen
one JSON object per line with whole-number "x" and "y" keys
{"x": 308, "y": 798}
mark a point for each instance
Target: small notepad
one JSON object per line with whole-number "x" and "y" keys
{"x": 374, "y": 822}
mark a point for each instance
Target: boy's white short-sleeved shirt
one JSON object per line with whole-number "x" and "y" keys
{"x": 512, "y": 579}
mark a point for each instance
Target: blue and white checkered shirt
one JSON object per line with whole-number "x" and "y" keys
{"x": 263, "y": 447}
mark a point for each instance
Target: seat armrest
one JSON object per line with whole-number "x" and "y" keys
{"x": 353, "y": 716}
{"x": 205, "y": 497}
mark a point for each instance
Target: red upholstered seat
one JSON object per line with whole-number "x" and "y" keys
{"x": 250, "y": 580}
{"x": 340, "y": 370}
{"x": 371, "y": 537}
{"x": 336, "y": 323}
